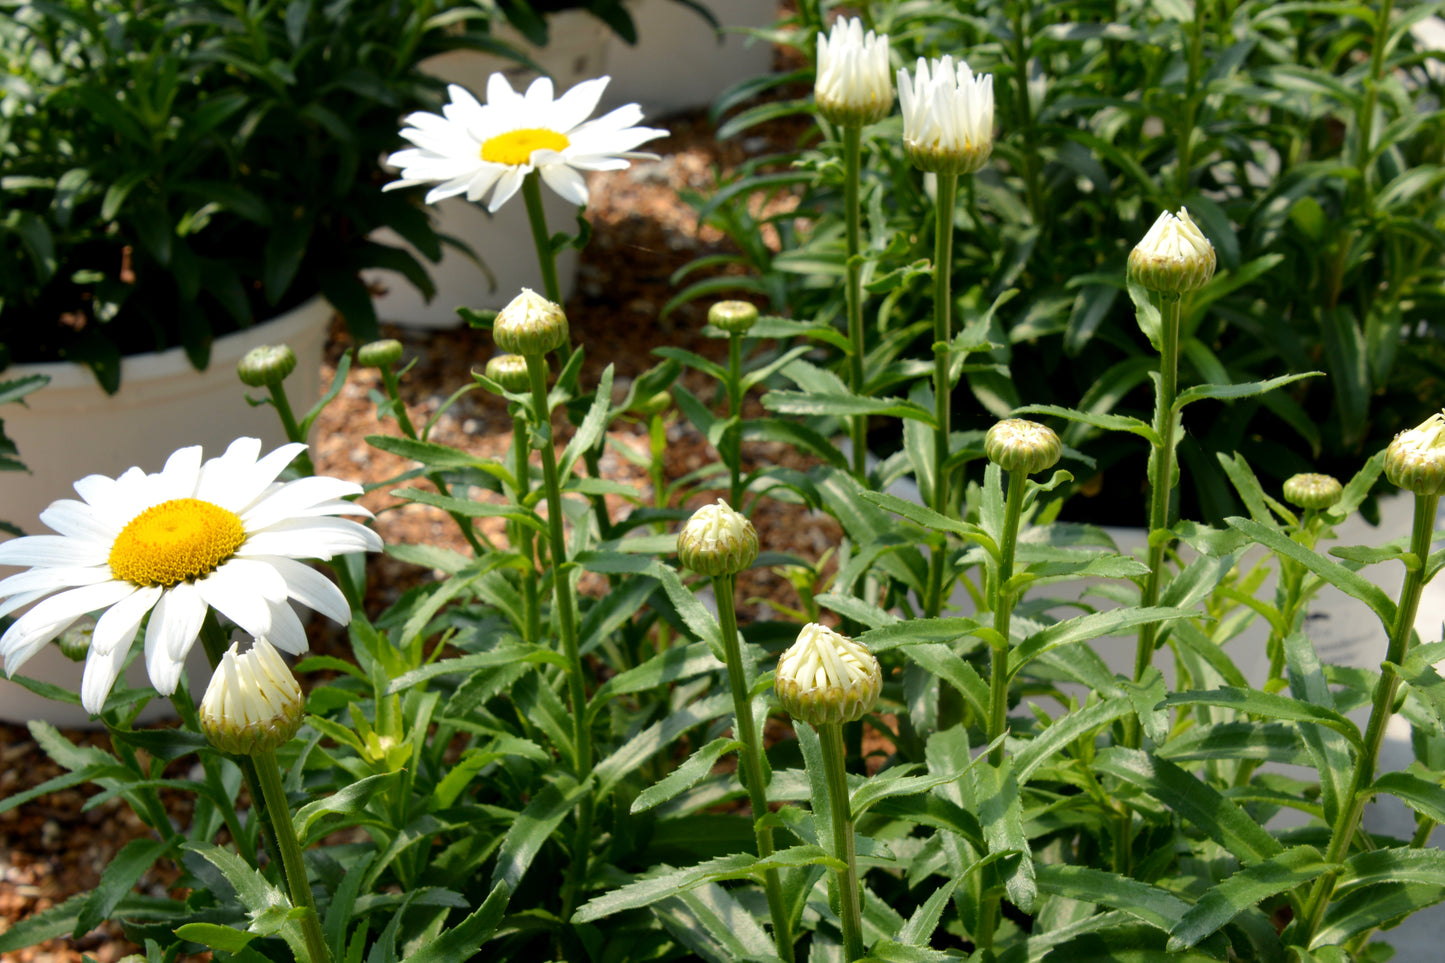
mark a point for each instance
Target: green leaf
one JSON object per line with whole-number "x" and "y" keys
{"x": 124, "y": 870}
{"x": 946, "y": 629}
{"x": 1368, "y": 907}
{"x": 1349, "y": 371}
{"x": 532, "y": 827}
{"x": 1271, "y": 741}
{"x": 592, "y": 425}
{"x": 471, "y": 509}
{"x": 260, "y": 898}
{"x": 1195, "y": 801}
{"x": 685, "y": 776}
{"x": 668, "y": 881}
{"x": 225, "y": 938}
{"x": 1133, "y": 426}
{"x": 430, "y": 454}
{"x": 1234, "y": 392}
{"x": 1270, "y": 706}
{"x": 460, "y": 943}
{"x": 811, "y": 403}
{"x": 1153, "y": 905}
{"x": 1251, "y": 885}
{"x": 1047, "y": 744}
{"x": 1091, "y": 626}
{"x": 350, "y": 799}
{"x": 674, "y": 665}
{"x": 1426, "y": 798}
{"x": 1000, "y": 813}
{"x": 930, "y": 519}
{"x": 637, "y": 750}
{"x": 502, "y": 655}
{"x": 1337, "y": 575}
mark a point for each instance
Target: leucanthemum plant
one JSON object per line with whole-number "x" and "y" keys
{"x": 221, "y": 534}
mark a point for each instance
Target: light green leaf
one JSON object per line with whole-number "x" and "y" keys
{"x": 684, "y": 776}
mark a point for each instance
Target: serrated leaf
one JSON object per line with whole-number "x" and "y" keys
{"x": 1244, "y": 889}
{"x": 685, "y": 776}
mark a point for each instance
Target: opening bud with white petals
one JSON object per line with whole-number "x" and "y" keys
{"x": 1174, "y": 256}
{"x": 717, "y": 541}
{"x": 1415, "y": 460}
{"x": 854, "y": 84}
{"x": 947, "y": 116}
{"x": 825, "y": 677}
{"x": 530, "y": 325}
{"x": 253, "y": 703}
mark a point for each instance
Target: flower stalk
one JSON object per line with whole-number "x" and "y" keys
{"x": 850, "y": 908}
{"x": 853, "y": 292}
{"x": 942, "y": 387}
{"x": 268, "y": 773}
{"x": 546, "y": 254}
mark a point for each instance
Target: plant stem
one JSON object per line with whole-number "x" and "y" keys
{"x": 853, "y": 292}
{"x": 525, "y": 535}
{"x": 849, "y": 905}
{"x": 733, "y": 444}
{"x": 942, "y": 392}
{"x": 292, "y": 429}
{"x": 1002, "y": 614}
{"x": 755, "y": 779}
{"x": 269, "y": 775}
{"x": 567, "y": 627}
{"x": 546, "y": 257}
{"x": 1352, "y": 805}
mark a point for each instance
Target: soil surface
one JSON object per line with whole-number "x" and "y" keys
{"x": 55, "y": 846}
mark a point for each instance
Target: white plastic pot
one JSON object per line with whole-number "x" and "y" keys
{"x": 576, "y": 51}
{"x": 71, "y": 428}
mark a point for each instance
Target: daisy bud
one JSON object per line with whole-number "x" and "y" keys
{"x": 947, "y": 116}
{"x": 267, "y": 365}
{"x": 1415, "y": 460}
{"x": 717, "y": 541}
{"x": 1174, "y": 256}
{"x": 74, "y": 642}
{"x": 509, "y": 371}
{"x": 379, "y": 354}
{"x": 654, "y": 405}
{"x": 734, "y": 317}
{"x": 1015, "y": 444}
{"x": 1312, "y": 491}
{"x": 854, "y": 86}
{"x": 826, "y": 677}
{"x": 253, "y": 703}
{"x": 530, "y": 325}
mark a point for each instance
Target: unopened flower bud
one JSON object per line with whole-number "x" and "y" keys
{"x": 1016, "y": 444}
{"x": 854, "y": 86}
{"x": 267, "y": 365}
{"x": 1174, "y": 256}
{"x": 1312, "y": 491}
{"x": 734, "y": 317}
{"x": 1415, "y": 460}
{"x": 253, "y": 703}
{"x": 826, "y": 677}
{"x": 530, "y": 325}
{"x": 379, "y": 354}
{"x": 74, "y": 642}
{"x": 947, "y": 116}
{"x": 653, "y": 404}
{"x": 509, "y": 371}
{"x": 717, "y": 541}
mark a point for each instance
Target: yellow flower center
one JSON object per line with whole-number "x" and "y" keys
{"x": 515, "y": 146}
{"x": 176, "y": 541}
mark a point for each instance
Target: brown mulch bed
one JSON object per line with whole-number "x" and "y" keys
{"x": 53, "y": 847}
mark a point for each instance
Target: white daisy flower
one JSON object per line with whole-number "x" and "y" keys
{"x": 947, "y": 116}
{"x": 223, "y": 535}
{"x": 474, "y": 148}
{"x": 854, "y": 85}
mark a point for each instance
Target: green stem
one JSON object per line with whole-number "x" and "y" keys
{"x": 1184, "y": 141}
{"x": 567, "y": 626}
{"x": 942, "y": 391}
{"x": 1365, "y": 121}
{"x": 546, "y": 257}
{"x": 524, "y": 532}
{"x": 849, "y": 891}
{"x": 1032, "y": 189}
{"x": 1352, "y": 805}
{"x": 293, "y": 430}
{"x": 269, "y": 774}
{"x": 755, "y": 779}
{"x": 734, "y": 442}
{"x": 1002, "y": 615}
{"x": 853, "y": 292}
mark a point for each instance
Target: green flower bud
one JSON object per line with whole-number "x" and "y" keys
{"x": 734, "y": 317}
{"x": 509, "y": 371}
{"x": 717, "y": 541}
{"x": 267, "y": 365}
{"x": 826, "y": 677}
{"x": 74, "y": 642}
{"x": 1015, "y": 444}
{"x": 379, "y": 354}
{"x": 653, "y": 405}
{"x": 253, "y": 703}
{"x": 1312, "y": 491}
{"x": 1415, "y": 460}
{"x": 1174, "y": 256}
{"x": 530, "y": 325}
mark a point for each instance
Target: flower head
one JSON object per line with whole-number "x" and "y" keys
{"x": 267, "y": 365}
{"x": 530, "y": 324}
{"x": 826, "y": 677}
{"x": 1415, "y": 460}
{"x": 947, "y": 116}
{"x": 509, "y": 371}
{"x": 1174, "y": 256}
{"x": 1016, "y": 444}
{"x": 853, "y": 86}
{"x": 734, "y": 317}
{"x": 253, "y": 703}
{"x": 1311, "y": 491}
{"x": 473, "y": 148}
{"x": 717, "y": 541}
{"x": 223, "y": 535}
{"x": 379, "y": 354}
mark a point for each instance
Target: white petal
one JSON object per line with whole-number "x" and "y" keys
{"x": 320, "y": 538}
{"x": 236, "y": 599}
{"x": 286, "y": 632}
{"x": 47, "y": 580}
{"x": 237, "y": 491}
{"x": 172, "y": 630}
{"x": 49, "y": 618}
{"x": 292, "y": 497}
{"x": 117, "y": 627}
{"x": 54, "y": 550}
{"x": 312, "y": 589}
{"x": 566, "y": 182}
{"x": 99, "y": 676}
{"x": 77, "y": 519}
{"x": 577, "y": 104}
{"x": 507, "y": 185}
{"x": 178, "y": 478}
